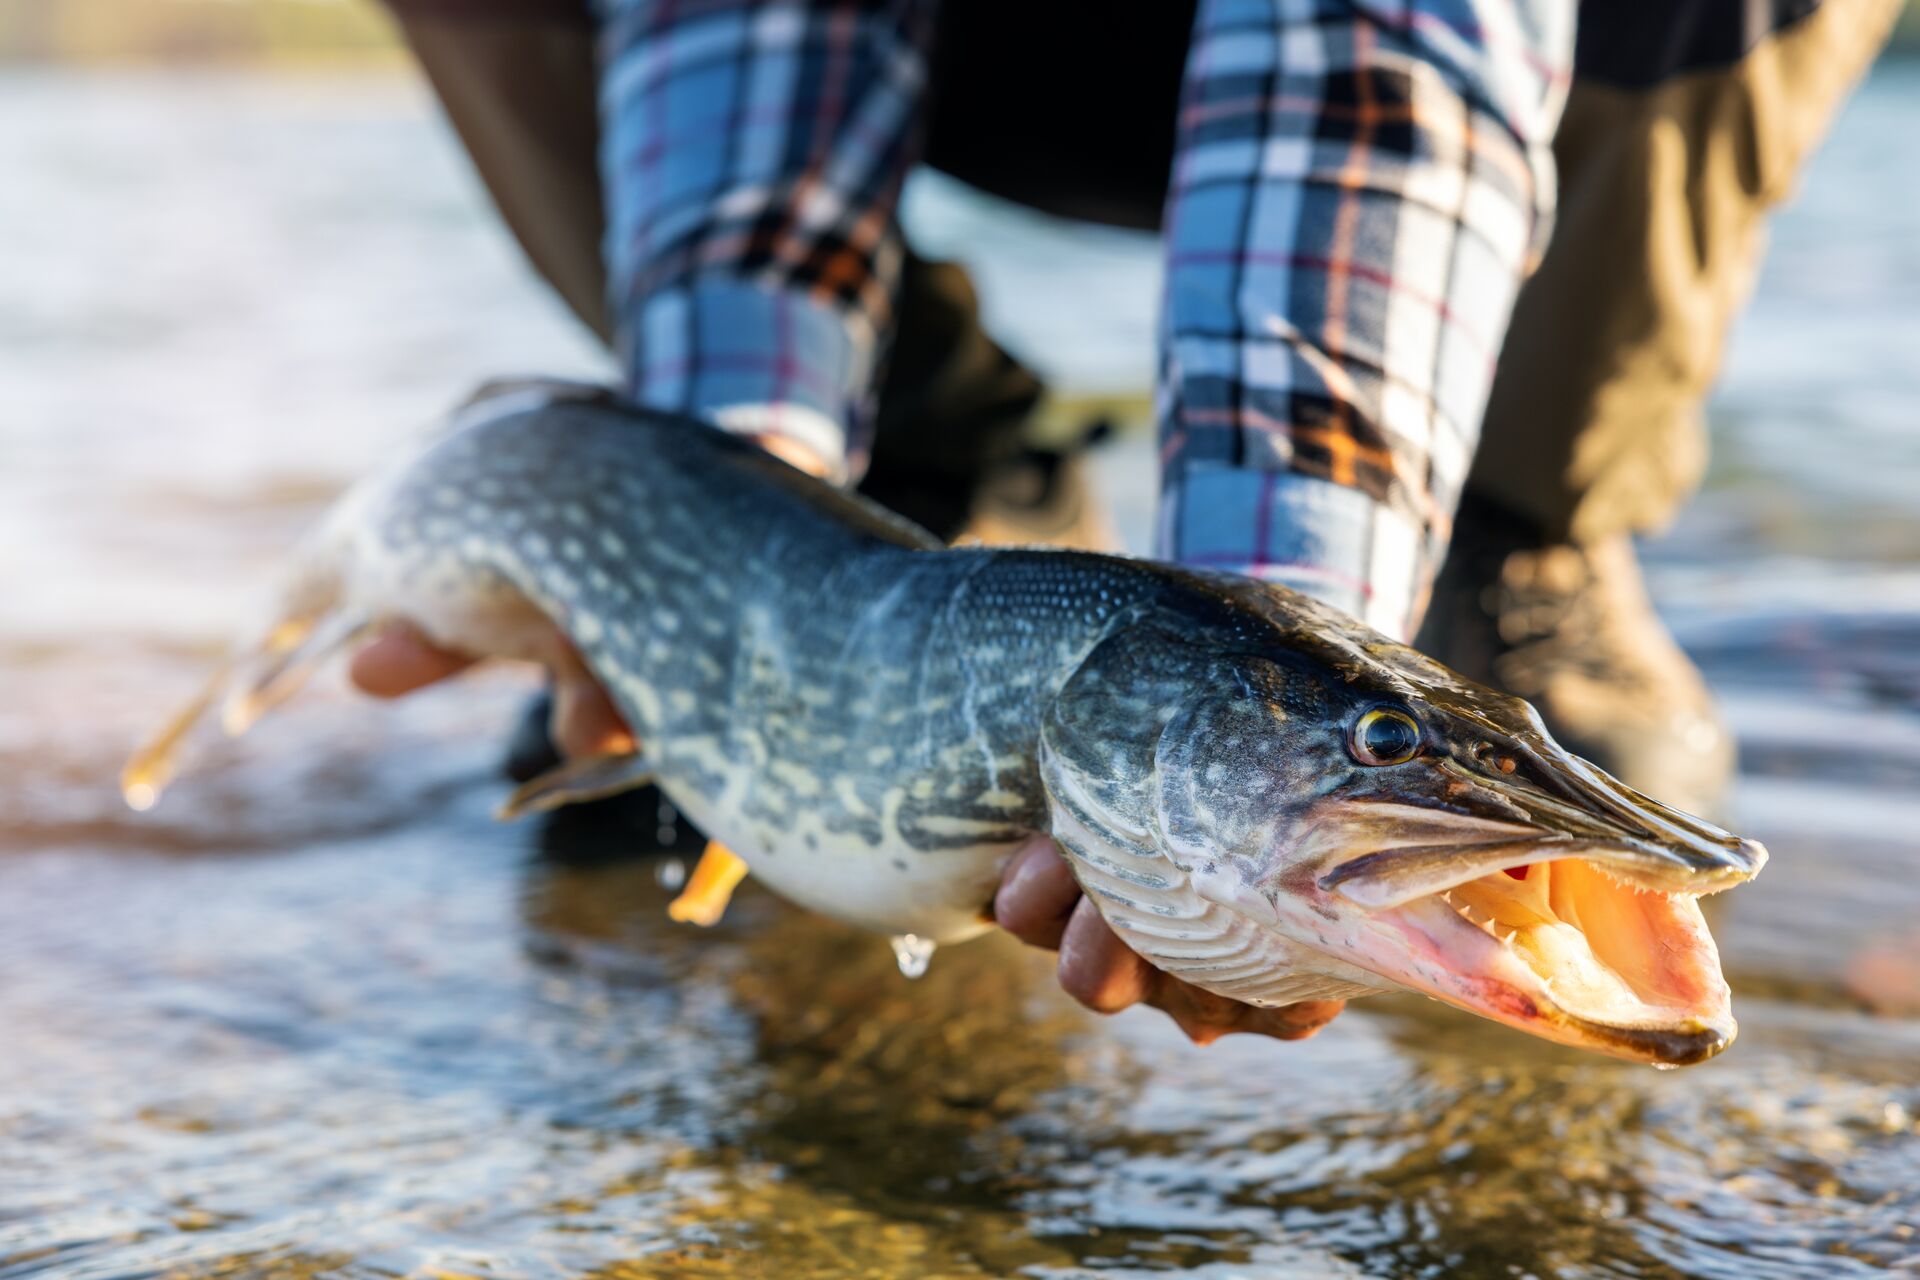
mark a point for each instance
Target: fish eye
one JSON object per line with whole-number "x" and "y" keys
{"x": 1385, "y": 735}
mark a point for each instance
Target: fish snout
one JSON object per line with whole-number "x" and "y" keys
{"x": 1655, "y": 845}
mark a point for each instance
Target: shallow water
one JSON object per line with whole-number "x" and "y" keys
{"x": 318, "y": 1015}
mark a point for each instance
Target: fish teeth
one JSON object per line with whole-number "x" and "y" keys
{"x": 1485, "y": 923}
{"x": 1621, "y": 880}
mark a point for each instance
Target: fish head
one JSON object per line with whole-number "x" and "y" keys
{"x": 1399, "y": 825}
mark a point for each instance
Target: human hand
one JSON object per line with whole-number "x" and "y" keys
{"x": 1040, "y": 903}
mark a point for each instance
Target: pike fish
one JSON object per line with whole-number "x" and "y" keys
{"x": 1263, "y": 796}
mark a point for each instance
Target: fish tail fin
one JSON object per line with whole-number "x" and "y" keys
{"x": 250, "y": 682}
{"x": 281, "y": 665}
{"x": 153, "y": 764}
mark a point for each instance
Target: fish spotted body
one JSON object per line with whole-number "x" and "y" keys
{"x": 874, "y": 722}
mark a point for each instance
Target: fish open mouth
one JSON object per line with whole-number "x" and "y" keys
{"x": 1594, "y": 941}
{"x": 1567, "y": 949}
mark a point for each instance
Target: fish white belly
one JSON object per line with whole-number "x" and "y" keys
{"x": 941, "y": 895}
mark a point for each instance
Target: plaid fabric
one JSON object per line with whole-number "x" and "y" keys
{"x": 1358, "y": 188}
{"x": 1358, "y": 191}
{"x": 752, "y": 155}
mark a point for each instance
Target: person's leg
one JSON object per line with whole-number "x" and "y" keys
{"x": 749, "y": 155}
{"x": 1357, "y": 192}
{"x": 752, "y": 156}
{"x": 516, "y": 81}
{"x": 1668, "y": 168}
{"x": 1685, "y": 125}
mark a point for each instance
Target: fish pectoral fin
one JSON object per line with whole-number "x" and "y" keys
{"x": 588, "y": 778}
{"x": 710, "y": 888}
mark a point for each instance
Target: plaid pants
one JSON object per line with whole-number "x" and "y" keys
{"x": 1358, "y": 189}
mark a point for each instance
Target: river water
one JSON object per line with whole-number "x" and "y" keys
{"x": 319, "y": 1015}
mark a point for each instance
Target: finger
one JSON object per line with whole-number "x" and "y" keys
{"x": 1098, "y": 969}
{"x": 584, "y": 721}
{"x": 399, "y": 660}
{"x": 1037, "y": 894}
{"x": 1294, "y": 1021}
{"x": 1205, "y": 1017}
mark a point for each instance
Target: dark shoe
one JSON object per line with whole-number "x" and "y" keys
{"x": 1571, "y": 630}
{"x": 530, "y": 749}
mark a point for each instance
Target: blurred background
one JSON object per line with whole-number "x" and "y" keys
{"x": 317, "y": 1015}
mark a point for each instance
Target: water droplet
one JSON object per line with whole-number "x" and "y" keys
{"x": 913, "y": 952}
{"x": 1664, "y": 1066}
{"x": 670, "y": 874}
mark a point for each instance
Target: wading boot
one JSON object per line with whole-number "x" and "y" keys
{"x": 1570, "y": 629}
